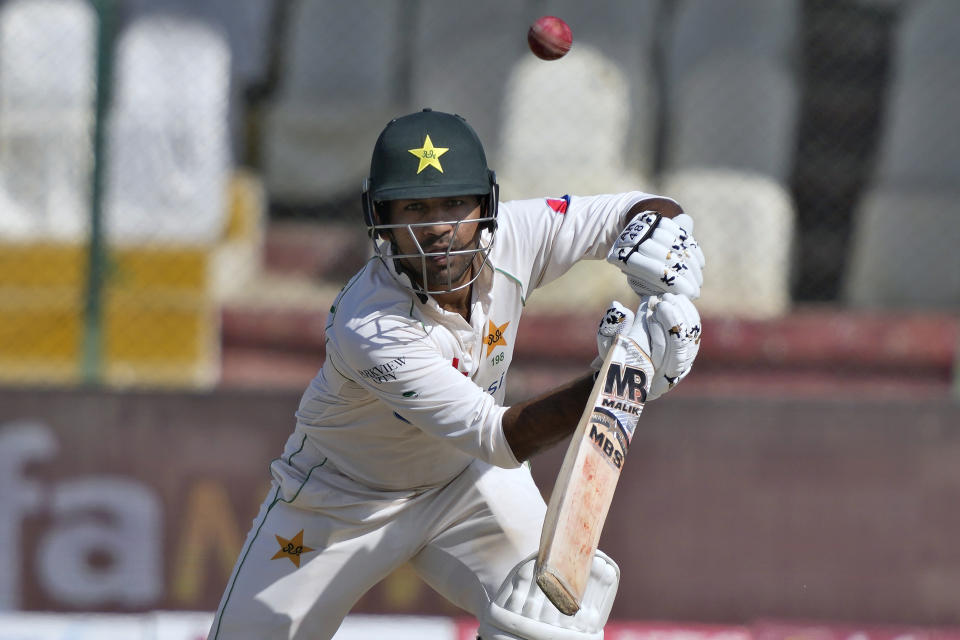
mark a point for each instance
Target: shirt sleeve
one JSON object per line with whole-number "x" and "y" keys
{"x": 405, "y": 371}
{"x": 550, "y": 235}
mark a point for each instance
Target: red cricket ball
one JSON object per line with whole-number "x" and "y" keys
{"x": 549, "y": 38}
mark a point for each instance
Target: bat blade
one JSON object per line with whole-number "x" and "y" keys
{"x": 589, "y": 474}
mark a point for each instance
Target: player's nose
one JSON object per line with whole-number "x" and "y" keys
{"x": 439, "y": 221}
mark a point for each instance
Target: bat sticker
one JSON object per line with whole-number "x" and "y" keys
{"x": 608, "y": 434}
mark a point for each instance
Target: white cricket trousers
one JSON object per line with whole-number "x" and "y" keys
{"x": 462, "y": 539}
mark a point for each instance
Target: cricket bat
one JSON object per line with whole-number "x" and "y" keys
{"x": 588, "y": 476}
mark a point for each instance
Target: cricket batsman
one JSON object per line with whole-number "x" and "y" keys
{"x": 403, "y": 450}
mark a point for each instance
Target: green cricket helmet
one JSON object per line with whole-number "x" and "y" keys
{"x": 428, "y": 154}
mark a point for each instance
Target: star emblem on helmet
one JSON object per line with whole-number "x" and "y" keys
{"x": 429, "y": 155}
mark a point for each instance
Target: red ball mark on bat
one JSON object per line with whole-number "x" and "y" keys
{"x": 589, "y": 470}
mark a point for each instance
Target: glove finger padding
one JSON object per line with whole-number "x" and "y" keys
{"x": 659, "y": 255}
{"x": 616, "y": 319}
{"x": 690, "y": 248}
{"x": 690, "y": 244}
{"x": 674, "y": 329}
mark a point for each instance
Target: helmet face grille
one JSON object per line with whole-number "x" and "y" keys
{"x": 418, "y": 277}
{"x": 414, "y": 264}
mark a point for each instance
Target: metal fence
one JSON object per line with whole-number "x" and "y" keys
{"x": 161, "y": 159}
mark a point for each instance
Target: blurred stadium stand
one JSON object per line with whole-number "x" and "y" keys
{"x": 731, "y": 119}
{"x": 449, "y": 37}
{"x": 246, "y": 28}
{"x": 47, "y": 56}
{"x": 239, "y": 133}
{"x": 338, "y": 88}
{"x": 904, "y": 247}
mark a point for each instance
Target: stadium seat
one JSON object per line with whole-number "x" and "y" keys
{"x": 928, "y": 31}
{"x": 564, "y": 125}
{"x": 903, "y": 247}
{"x": 340, "y": 86}
{"x": 728, "y": 157}
{"x": 734, "y": 211}
{"x": 703, "y": 29}
{"x": 167, "y": 147}
{"x": 160, "y": 313}
{"x": 731, "y": 115}
{"x": 47, "y": 56}
{"x": 625, "y": 32}
{"x": 246, "y": 27}
{"x": 165, "y": 204}
{"x": 923, "y": 99}
{"x": 158, "y": 328}
{"x": 735, "y": 111}
{"x": 571, "y": 140}
{"x": 244, "y": 24}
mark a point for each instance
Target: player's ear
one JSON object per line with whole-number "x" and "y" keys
{"x": 488, "y": 210}
{"x": 381, "y": 216}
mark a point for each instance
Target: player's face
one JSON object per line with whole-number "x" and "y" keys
{"x": 437, "y": 228}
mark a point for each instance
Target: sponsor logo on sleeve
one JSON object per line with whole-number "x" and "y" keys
{"x": 559, "y": 204}
{"x": 384, "y": 372}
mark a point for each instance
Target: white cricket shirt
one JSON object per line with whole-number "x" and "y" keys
{"x": 410, "y": 393}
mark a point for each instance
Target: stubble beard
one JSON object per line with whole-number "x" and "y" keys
{"x": 446, "y": 276}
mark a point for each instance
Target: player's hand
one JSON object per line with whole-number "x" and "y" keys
{"x": 666, "y": 327}
{"x": 616, "y": 319}
{"x": 673, "y": 325}
{"x": 660, "y": 255}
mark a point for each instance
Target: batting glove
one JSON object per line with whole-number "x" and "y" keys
{"x": 660, "y": 255}
{"x": 667, "y": 327}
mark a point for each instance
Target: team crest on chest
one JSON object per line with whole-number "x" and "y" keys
{"x": 291, "y": 549}
{"x": 496, "y": 336}
{"x": 429, "y": 155}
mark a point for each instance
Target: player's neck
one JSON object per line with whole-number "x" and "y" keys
{"x": 459, "y": 300}
{"x": 456, "y": 301}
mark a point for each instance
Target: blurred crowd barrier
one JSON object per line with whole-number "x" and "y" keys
{"x": 163, "y": 162}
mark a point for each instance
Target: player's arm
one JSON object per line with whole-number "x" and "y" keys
{"x": 670, "y": 333}
{"x": 549, "y": 236}
{"x": 664, "y": 206}
{"x": 539, "y": 423}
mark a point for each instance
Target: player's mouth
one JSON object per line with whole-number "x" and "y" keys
{"x": 438, "y": 255}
